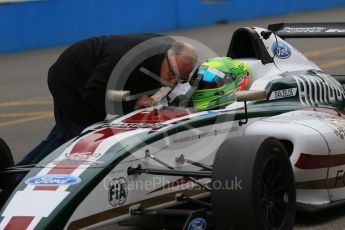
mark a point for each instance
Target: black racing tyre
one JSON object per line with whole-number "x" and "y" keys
{"x": 253, "y": 185}
{"x": 6, "y": 180}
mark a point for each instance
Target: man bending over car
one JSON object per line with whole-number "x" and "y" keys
{"x": 78, "y": 82}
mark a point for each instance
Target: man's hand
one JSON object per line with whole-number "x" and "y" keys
{"x": 143, "y": 102}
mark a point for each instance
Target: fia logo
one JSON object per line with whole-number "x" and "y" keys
{"x": 118, "y": 191}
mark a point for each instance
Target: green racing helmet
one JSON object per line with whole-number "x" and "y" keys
{"x": 216, "y": 81}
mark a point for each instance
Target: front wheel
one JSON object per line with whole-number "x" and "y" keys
{"x": 253, "y": 185}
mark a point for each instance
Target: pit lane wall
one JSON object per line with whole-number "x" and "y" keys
{"x": 28, "y": 24}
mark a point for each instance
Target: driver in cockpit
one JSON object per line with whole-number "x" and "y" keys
{"x": 214, "y": 83}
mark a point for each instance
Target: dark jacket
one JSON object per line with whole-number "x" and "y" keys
{"x": 78, "y": 79}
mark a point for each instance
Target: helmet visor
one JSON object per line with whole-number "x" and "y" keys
{"x": 211, "y": 78}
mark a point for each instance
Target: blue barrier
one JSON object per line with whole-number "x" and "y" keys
{"x": 46, "y": 23}
{"x": 199, "y": 13}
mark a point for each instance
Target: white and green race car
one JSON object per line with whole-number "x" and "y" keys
{"x": 247, "y": 166}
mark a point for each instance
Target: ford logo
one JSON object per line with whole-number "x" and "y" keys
{"x": 53, "y": 180}
{"x": 281, "y": 50}
{"x": 197, "y": 224}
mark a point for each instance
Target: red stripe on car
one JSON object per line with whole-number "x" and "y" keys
{"x": 86, "y": 145}
{"x": 58, "y": 169}
{"x": 89, "y": 143}
{"x": 309, "y": 161}
{"x": 325, "y": 110}
{"x": 155, "y": 116}
{"x": 19, "y": 223}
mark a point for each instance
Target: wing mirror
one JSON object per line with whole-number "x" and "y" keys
{"x": 249, "y": 95}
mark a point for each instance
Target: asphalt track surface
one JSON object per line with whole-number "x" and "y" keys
{"x": 26, "y": 115}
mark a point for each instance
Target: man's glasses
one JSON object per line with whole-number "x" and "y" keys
{"x": 173, "y": 75}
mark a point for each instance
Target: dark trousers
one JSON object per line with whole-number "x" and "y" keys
{"x": 64, "y": 130}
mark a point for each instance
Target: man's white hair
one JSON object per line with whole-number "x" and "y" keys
{"x": 185, "y": 49}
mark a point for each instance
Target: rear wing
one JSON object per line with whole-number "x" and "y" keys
{"x": 309, "y": 30}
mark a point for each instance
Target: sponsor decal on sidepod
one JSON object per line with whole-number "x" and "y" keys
{"x": 281, "y": 50}
{"x": 284, "y": 93}
{"x": 197, "y": 224}
{"x": 53, "y": 180}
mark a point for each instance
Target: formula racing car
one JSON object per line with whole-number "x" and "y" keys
{"x": 249, "y": 165}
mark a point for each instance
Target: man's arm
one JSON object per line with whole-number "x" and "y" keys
{"x": 94, "y": 90}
